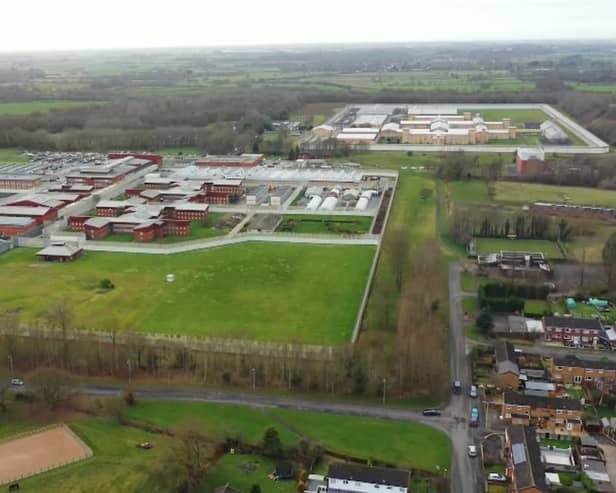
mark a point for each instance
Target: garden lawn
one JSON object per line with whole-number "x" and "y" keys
{"x": 470, "y": 305}
{"x": 493, "y": 245}
{"x": 536, "y": 306}
{"x": 263, "y": 291}
{"x": 467, "y": 282}
{"x": 410, "y": 445}
{"x": 241, "y": 472}
{"x": 525, "y": 193}
{"x": 325, "y": 224}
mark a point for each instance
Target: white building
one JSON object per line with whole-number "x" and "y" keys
{"x": 356, "y": 478}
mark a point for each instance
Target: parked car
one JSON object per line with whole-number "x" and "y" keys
{"x": 497, "y": 477}
{"x": 431, "y": 412}
{"x": 17, "y": 382}
{"x": 457, "y": 387}
{"x": 474, "y": 416}
{"x": 473, "y": 391}
{"x": 472, "y": 451}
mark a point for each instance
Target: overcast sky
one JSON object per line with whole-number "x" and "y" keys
{"x": 102, "y": 24}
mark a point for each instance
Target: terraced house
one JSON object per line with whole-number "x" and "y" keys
{"x": 552, "y": 417}
{"x": 573, "y": 370}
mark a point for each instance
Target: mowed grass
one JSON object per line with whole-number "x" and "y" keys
{"x": 518, "y": 117}
{"x": 12, "y": 155}
{"x": 403, "y": 444}
{"x": 525, "y": 193}
{"x": 29, "y": 107}
{"x": 301, "y": 223}
{"x": 473, "y": 191}
{"x": 263, "y": 291}
{"x": 596, "y": 88}
{"x": 493, "y": 245}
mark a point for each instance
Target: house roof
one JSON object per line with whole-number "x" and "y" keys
{"x": 526, "y": 457}
{"x": 573, "y": 323}
{"x": 15, "y": 220}
{"x": 366, "y": 474}
{"x": 505, "y": 358}
{"x": 536, "y": 401}
{"x": 98, "y": 222}
{"x": 15, "y": 210}
{"x": 574, "y": 361}
{"x": 59, "y": 250}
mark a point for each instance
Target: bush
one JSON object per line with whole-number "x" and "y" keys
{"x": 129, "y": 398}
{"x": 106, "y": 284}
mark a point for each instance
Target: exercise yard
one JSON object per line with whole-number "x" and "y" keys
{"x": 263, "y": 291}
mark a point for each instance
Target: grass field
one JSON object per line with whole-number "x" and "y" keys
{"x": 491, "y": 245}
{"x": 598, "y": 88}
{"x": 467, "y": 282}
{"x": 518, "y": 117}
{"x": 473, "y": 191}
{"x": 39, "y": 106}
{"x": 175, "y": 151}
{"x": 536, "y": 306}
{"x": 263, "y": 291}
{"x": 325, "y": 224}
{"x": 11, "y": 155}
{"x": 525, "y": 193}
{"x": 317, "y": 113}
{"x": 404, "y": 444}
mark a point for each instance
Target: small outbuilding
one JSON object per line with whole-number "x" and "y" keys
{"x": 60, "y": 252}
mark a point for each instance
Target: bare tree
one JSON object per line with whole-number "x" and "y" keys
{"x": 51, "y": 386}
{"x": 399, "y": 251}
{"x": 60, "y": 315}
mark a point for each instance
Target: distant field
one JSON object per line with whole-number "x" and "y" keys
{"x": 518, "y": 117}
{"x": 263, "y": 291}
{"x": 174, "y": 151}
{"x": 325, "y": 224}
{"x": 599, "y": 88}
{"x": 317, "y": 113}
{"x": 492, "y": 245}
{"x": 39, "y": 106}
{"x": 397, "y": 160}
{"x": 468, "y": 191}
{"x": 526, "y": 193}
{"x": 11, "y": 155}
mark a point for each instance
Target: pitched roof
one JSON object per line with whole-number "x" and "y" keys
{"x": 574, "y": 361}
{"x": 528, "y": 469}
{"x": 506, "y": 361}
{"x": 59, "y": 250}
{"x": 366, "y": 474}
{"x": 573, "y": 323}
{"x": 542, "y": 402}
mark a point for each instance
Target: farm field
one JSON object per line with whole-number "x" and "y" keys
{"x": 404, "y": 444}
{"x": 39, "y": 106}
{"x": 210, "y": 287}
{"x": 598, "y": 88}
{"x": 525, "y": 193}
{"x": 325, "y": 224}
{"x": 491, "y": 245}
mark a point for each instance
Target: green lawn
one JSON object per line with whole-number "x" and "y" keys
{"x": 518, "y": 117}
{"x": 404, "y": 444}
{"x": 492, "y": 245}
{"x": 592, "y": 87}
{"x": 263, "y": 291}
{"x": 175, "y": 151}
{"x": 546, "y": 442}
{"x": 467, "y": 282}
{"x": 12, "y": 155}
{"x": 39, "y": 106}
{"x": 325, "y": 224}
{"x": 242, "y": 472}
{"x": 474, "y": 191}
{"x": 536, "y": 306}
{"x": 469, "y": 304}
{"x": 525, "y": 193}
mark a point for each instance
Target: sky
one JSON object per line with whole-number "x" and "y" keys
{"x": 32, "y": 25}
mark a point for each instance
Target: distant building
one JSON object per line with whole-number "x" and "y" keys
{"x": 507, "y": 367}
{"x": 241, "y": 161}
{"x": 324, "y": 131}
{"x": 16, "y": 226}
{"x": 41, "y": 215}
{"x": 529, "y": 160}
{"x": 572, "y": 210}
{"x": 523, "y": 457}
{"x": 356, "y": 478}
{"x": 60, "y": 252}
{"x": 573, "y": 370}
{"x": 19, "y": 182}
{"x": 574, "y": 330}
{"x": 104, "y": 175}
{"x": 553, "y": 134}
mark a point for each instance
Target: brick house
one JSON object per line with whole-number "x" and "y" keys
{"x": 523, "y": 457}
{"x": 573, "y": 330}
{"x": 573, "y": 370}
{"x": 553, "y": 417}
{"x": 507, "y": 367}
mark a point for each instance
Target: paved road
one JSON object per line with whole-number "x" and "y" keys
{"x": 466, "y": 472}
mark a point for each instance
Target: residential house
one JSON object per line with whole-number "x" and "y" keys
{"x": 523, "y": 457}
{"x": 356, "y": 478}
{"x": 573, "y": 370}
{"x": 507, "y": 367}
{"x": 553, "y": 417}
{"x": 575, "y": 331}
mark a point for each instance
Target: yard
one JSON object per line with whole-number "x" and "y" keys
{"x": 518, "y": 117}
{"x": 262, "y": 291}
{"x": 493, "y": 245}
{"x": 404, "y": 444}
{"x": 325, "y": 224}
{"x": 526, "y": 193}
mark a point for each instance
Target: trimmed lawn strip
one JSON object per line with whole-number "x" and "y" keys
{"x": 494, "y": 245}
{"x": 301, "y": 223}
{"x": 526, "y": 193}
{"x": 261, "y": 291}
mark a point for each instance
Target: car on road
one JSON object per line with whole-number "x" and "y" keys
{"x": 497, "y": 477}
{"x": 17, "y": 382}
{"x": 472, "y": 451}
{"x": 431, "y": 412}
{"x": 457, "y": 387}
{"x": 473, "y": 391}
{"x": 474, "y": 416}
